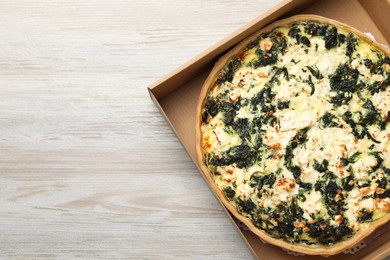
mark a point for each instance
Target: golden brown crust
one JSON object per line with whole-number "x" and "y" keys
{"x": 302, "y": 248}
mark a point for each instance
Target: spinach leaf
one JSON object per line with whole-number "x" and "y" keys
{"x": 243, "y": 155}
{"x": 331, "y": 38}
{"x": 246, "y": 206}
{"x": 315, "y": 72}
{"x": 229, "y": 192}
{"x": 263, "y": 97}
{"x": 283, "y": 104}
{"x": 321, "y": 167}
{"x": 211, "y": 108}
{"x": 228, "y": 73}
{"x": 328, "y": 120}
{"x": 315, "y": 29}
{"x": 295, "y": 33}
{"x": 265, "y": 58}
{"x": 229, "y": 111}
{"x": 344, "y": 79}
{"x": 351, "y": 44}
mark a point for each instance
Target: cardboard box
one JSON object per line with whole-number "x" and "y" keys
{"x": 176, "y": 94}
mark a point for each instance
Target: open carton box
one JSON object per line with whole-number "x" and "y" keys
{"x": 176, "y": 94}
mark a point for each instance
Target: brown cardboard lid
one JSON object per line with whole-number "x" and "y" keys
{"x": 176, "y": 94}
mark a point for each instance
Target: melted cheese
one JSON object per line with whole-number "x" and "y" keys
{"x": 244, "y": 113}
{"x": 381, "y": 101}
{"x": 285, "y": 187}
{"x": 216, "y": 138}
{"x": 313, "y": 203}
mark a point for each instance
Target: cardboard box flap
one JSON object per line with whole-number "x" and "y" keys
{"x": 355, "y": 14}
{"x": 379, "y": 11}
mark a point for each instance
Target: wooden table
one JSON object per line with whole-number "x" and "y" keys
{"x": 88, "y": 166}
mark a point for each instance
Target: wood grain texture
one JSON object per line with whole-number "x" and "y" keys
{"x": 88, "y": 166}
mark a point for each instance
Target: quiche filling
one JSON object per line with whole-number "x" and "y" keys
{"x": 295, "y": 131}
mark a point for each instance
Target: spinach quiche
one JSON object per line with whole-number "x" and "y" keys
{"x": 293, "y": 134}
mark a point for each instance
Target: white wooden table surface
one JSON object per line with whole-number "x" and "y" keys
{"x": 88, "y": 166}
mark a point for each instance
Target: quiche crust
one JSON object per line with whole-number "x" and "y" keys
{"x": 287, "y": 183}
